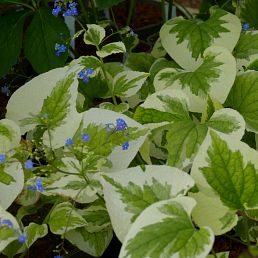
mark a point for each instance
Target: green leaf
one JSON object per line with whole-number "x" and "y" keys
{"x": 186, "y": 40}
{"x": 248, "y": 12}
{"x": 42, "y": 35}
{"x": 141, "y": 62}
{"x": 253, "y": 65}
{"x": 57, "y": 104}
{"x": 120, "y": 108}
{"x": 11, "y": 182}
{"x": 127, "y": 83}
{"x": 244, "y": 98}
{"x": 94, "y": 35}
{"x": 10, "y": 135}
{"x": 92, "y": 243}
{"x": 158, "y": 50}
{"x": 246, "y": 50}
{"x": 165, "y": 229}
{"x": 28, "y": 100}
{"x": 135, "y": 135}
{"x": 5, "y": 178}
{"x": 166, "y": 112}
{"x": 211, "y": 212}
{"x": 64, "y": 217}
{"x": 10, "y": 39}
{"x": 102, "y": 4}
{"x": 8, "y": 235}
{"x": 232, "y": 177}
{"x": 34, "y": 231}
{"x": 128, "y": 192}
{"x": 111, "y": 48}
{"x": 214, "y": 77}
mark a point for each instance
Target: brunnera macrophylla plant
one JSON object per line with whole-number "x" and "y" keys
{"x": 185, "y": 119}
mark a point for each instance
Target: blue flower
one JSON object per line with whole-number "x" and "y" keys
{"x": 121, "y": 124}
{"x": 125, "y": 146}
{"x": 85, "y": 137}
{"x": 60, "y": 48}
{"x": 58, "y": 256}
{"x": 57, "y": 10}
{"x": 6, "y": 222}
{"x": 22, "y": 238}
{"x": 69, "y": 142}
{"x": 39, "y": 185}
{"x": 28, "y": 164}
{"x": 32, "y": 188}
{"x": 45, "y": 115}
{"x": 84, "y": 74}
{"x": 2, "y": 158}
{"x": 245, "y": 26}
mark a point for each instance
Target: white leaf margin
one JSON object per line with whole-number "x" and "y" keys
{"x": 180, "y": 183}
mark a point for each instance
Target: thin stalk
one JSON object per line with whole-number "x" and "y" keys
{"x": 236, "y": 240}
{"x": 131, "y": 11}
{"x": 163, "y": 9}
{"x": 78, "y": 21}
{"x": 225, "y": 4}
{"x": 25, "y": 5}
{"x": 84, "y": 11}
{"x": 95, "y": 14}
{"x": 214, "y": 253}
{"x": 170, "y": 9}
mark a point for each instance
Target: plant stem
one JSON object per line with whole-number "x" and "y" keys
{"x": 26, "y": 5}
{"x": 78, "y": 21}
{"x": 95, "y": 14}
{"x": 170, "y": 9}
{"x": 131, "y": 11}
{"x": 225, "y": 4}
{"x": 84, "y": 11}
{"x": 163, "y": 9}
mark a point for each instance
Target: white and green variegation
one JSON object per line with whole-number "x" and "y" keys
{"x": 243, "y": 163}
{"x": 167, "y": 111}
{"x": 128, "y": 192}
{"x": 8, "y": 234}
{"x": 111, "y": 48}
{"x": 96, "y": 235}
{"x": 10, "y": 135}
{"x": 9, "y": 192}
{"x": 214, "y": 76}
{"x": 64, "y": 217}
{"x": 94, "y": 35}
{"x": 58, "y": 102}
{"x": 120, "y": 158}
{"x": 165, "y": 229}
{"x": 243, "y": 97}
{"x": 186, "y": 40}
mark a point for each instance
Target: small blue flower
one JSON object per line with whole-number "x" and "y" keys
{"x": 57, "y": 10}
{"x": 121, "y": 124}
{"x": 85, "y": 137}
{"x": 84, "y": 74}
{"x": 6, "y": 222}
{"x": 245, "y": 26}
{"x": 69, "y": 142}
{"x": 28, "y": 164}
{"x": 22, "y": 238}
{"x": 39, "y": 185}
{"x": 125, "y": 146}
{"x": 2, "y": 158}
{"x": 32, "y": 188}
{"x": 60, "y": 48}
{"x": 58, "y": 256}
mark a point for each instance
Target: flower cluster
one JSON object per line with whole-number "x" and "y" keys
{"x": 120, "y": 124}
{"x": 60, "y": 48}
{"x": 37, "y": 187}
{"x": 22, "y": 238}
{"x": 84, "y": 74}
{"x": 69, "y": 9}
{"x": 6, "y": 222}
{"x": 85, "y": 137}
